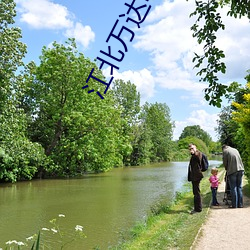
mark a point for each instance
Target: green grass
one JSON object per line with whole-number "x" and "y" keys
{"x": 170, "y": 226}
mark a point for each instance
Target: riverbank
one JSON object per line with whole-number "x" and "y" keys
{"x": 175, "y": 228}
{"x": 172, "y": 227}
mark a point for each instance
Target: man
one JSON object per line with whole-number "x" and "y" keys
{"x": 235, "y": 169}
{"x": 195, "y": 175}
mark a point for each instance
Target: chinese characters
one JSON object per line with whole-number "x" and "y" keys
{"x": 110, "y": 58}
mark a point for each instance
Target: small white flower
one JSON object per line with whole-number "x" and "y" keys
{"x": 20, "y": 243}
{"x": 10, "y": 242}
{"x": 29, "y": 238}
{"x": 78, "y": 228}
{"x": 61, "y": 215}
{"x": 54, "y": 230}
{"x": 45, "y": 229}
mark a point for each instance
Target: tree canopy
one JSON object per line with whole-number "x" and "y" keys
{"x": 196, "y": 131}
{"x": 19, "y": 158}
{"x": 205, "y": 29}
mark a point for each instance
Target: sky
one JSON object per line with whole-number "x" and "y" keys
{"x": 158, "y": 53}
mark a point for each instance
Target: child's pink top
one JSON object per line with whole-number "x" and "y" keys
{"x": 214, "y": 181}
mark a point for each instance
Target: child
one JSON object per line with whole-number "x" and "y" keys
{"x": 214, "y": 185}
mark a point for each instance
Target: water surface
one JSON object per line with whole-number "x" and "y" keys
{"x": 104, "y": 204}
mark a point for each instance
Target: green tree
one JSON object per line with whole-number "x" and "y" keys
{"x": 183, "y": 144}
{"x": 19, "y": 157}
{"x": 128, "y": 101}
{"x": 242, "y": 117}
{"x": 207, "y": 25}
{"x": 157, "y": 122}
{"x": 227, "y": 127}
{"x": 233, "y": 124}
{"x": 128, "y": 98}
{"x": 229, "y": 130}
{"x": 12, "y": 50}
{"x": 196, "y": 131}
{"x": 79, "y": 131}
{"x": 142, "y": 145}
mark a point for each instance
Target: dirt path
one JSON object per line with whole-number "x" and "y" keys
{"x": 225, "y": 228}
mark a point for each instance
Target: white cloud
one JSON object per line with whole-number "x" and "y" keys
{"x": 169, "y": 40}
{"x": 83, "y": 34}
{"x": 44, "y": 14}
{"x": 234, "y": 41}
{"x": 143, "y": 80}
{"x": 166, "y": 35}
{"x": 207, "y": 122}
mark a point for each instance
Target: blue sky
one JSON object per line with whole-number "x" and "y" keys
{"x": 159, "y": 58}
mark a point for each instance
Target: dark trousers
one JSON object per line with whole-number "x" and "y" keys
{"x": 214, "y": 196}
{"x": 197, "y": 196}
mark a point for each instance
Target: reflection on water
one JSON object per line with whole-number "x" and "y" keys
{"x": 104, "y": 204}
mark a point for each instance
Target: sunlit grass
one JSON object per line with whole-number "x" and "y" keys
{"x": 170, "y": 226}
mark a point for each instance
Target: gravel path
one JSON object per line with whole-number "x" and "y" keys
{"x": 225, "y": 228}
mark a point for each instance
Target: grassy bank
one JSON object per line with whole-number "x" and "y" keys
{"x": 170, "y": 227}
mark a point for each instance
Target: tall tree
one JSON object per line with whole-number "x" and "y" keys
{"x": 12, "y": 50}
{"x": 227, "y": 127}
{"x": 127, "y": 96}
{"x": 157, "y": 121}
{"x": 79, "y": 131}
{"x": 128, "y": 100}
{"x": 184, "y": 142}
{"x": 208, "y": 23}
{"x": 20, "y": 158}
{"x": 241, "y": 115}
{"x": 196, "y": 131}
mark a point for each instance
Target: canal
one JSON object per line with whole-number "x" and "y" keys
{"x": 106, "y": 204}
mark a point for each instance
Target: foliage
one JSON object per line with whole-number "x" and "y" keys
{"x": 128, "y": 100}
{"x": 142, "y": 145}
{"x": 241, "y": 115}
{"x": 227, "y": 127}
{"x": 201, "y": 146}
{"x": 12, "y": 50}
{"x": 157, "y": 122}
{"x": 20, "y": 158}
{"x": 205, "y": 28}
{"x": 196, "y": 131}
{"x": 215, "y": 148}
{"x": 79, "y": 132}
{"x": 233, "y": 123}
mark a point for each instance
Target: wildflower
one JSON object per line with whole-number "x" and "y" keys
{"x": 20, "y": 243}
{"x": 78, "y": 228}
{"x": 10, "y": 242}
{"x": 29, "y": 238}
{"x": 45, "y": 229}
{"x": 54, "y": 230}
{"x": 61, "y": 215}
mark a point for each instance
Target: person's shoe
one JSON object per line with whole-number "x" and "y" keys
{"x": 217, "y": 204}
{"x": 194, "y": 212}
{"x": 241, "y": 206}
{"x": 231, "y": 206}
